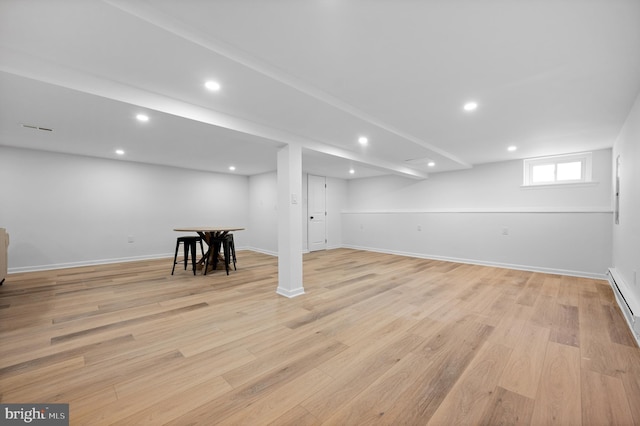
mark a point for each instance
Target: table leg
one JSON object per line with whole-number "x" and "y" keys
{"x": 214, "y": 240}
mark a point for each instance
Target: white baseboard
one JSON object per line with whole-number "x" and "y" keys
{"x": 267, "y": 252}
{"x": 52, "y": 266}
{"x": 581, "y": 274}
{"x": 290, "y": 293}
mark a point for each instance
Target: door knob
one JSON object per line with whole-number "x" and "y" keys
{"x": 311, "y": 217}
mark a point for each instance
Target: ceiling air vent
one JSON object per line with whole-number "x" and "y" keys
{"x": 418, "y": 162}
{"x": 31, "y": 126}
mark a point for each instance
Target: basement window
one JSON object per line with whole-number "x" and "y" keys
{"x": 558, "y": 170}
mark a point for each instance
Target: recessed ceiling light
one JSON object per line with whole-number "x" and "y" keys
{"x": 363, "y": 140}
{"x": 431, "y": 164}
{"x": 232, "y": 168}
{"x": 119, "y": 151}
{"x": 512, "y": 148}
{"x": 212, "y": 85}
{"x": 470, "y": 106}
{"x": 142, "y": 117}
{"x": 352, "y": 171}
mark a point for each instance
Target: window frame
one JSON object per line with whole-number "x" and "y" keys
{"x": 585, "y": 159}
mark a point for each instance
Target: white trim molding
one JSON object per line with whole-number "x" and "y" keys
{"x": 290, "y": 294}
{"x": 53, "y": 266}
{"x": 485, "y": 263}
{"x": 267, "y": 252}
{"x": 608, "y": 210}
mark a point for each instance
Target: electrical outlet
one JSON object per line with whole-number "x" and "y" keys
{"x": 419, "y": 227}
{"x": 505, "y": 231}
{"x": 130, "y": 239}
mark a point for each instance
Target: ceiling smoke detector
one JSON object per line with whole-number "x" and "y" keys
{"x": 31, "y": 126}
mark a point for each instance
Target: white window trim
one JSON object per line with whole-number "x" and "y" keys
{"x": 583, "y": 157}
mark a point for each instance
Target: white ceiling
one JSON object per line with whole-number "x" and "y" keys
{"x": 550, "y": 76}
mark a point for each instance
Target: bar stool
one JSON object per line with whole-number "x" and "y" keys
{"x": 189, "y": 245}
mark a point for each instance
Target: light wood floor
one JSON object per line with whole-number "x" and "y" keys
{"x": 376, "y": 339}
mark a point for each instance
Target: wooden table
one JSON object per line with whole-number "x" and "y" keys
{"x": 211, "y": 235}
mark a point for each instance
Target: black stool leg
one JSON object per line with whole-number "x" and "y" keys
{"x": 175, "y": 257}
{"x": 232, "y": 250}
{"x": 225, "y": 248}
{"x": 206, "y": 261}
{"x": 186, "y": 254}
{"x": 192, "y": 244}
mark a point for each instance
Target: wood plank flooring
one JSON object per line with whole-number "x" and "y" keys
{"x": 376, "y": 339}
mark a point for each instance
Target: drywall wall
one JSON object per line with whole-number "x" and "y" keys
{"x": 263, "y": 195}
{"x": 337, "y": 200}
{"x": 263, "y": 213}
{"x": 483, "y": 215}
{"x": 63, "y": 210}
{"x": 626, "y": 234}
{"x": 492, "y": 186}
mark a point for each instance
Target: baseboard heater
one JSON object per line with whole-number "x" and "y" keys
{"x": 633, "y": 320}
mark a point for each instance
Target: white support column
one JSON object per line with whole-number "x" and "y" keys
{"x": 290, "y": 221}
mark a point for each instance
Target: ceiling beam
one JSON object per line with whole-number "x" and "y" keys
{"x": 25, "y": 65}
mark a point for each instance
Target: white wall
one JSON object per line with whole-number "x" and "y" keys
{"x": 463, "y": 215}
{"x": 263, "y": 213}
{"x": 305, "y": 212}
{"x": 493, "y": 186}
{"x": 64, "y": 210}
{"x": 626, "y": 235}
{"x": 337, "y": 201}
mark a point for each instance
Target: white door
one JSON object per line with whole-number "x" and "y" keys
{"x": 317, "y": 213}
